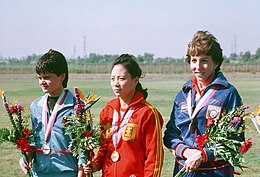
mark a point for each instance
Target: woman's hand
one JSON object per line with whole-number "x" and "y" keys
{"x": 25, "y": 167}
{"x": 81, "y": 172}
{"x": 90, "y": 167}
{"x": 194, "y": 159}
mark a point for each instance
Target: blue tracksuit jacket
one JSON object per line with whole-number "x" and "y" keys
{"x": 57, "y": 164}
{"x": 177, "y": 136}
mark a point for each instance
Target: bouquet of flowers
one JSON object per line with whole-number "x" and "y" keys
{"x": 255, "y": 117}
{"x": 219, "y": 138}
{"x": 86, "y": 136}
{"x": 20, "y": 134}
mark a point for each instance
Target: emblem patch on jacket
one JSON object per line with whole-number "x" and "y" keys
{"x": 129, "y": 132}
{"x": 108, "y": 132}
{"x": 184, "y": 107}
{"x": 213, "y": 111}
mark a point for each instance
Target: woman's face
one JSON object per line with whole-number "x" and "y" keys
{"x": 203, "y": 68}
{"x": 122, "y": 83}
{"x": 51, "y": 83}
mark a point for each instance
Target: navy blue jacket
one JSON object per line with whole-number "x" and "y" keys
{"x": 177, "y": 136}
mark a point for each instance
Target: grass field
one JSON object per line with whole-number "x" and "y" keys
{"x": 162, "y": 90}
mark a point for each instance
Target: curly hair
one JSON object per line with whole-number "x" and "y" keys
{"x": 204, "y": 43}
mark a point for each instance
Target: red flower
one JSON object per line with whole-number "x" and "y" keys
{"x": 14, "y": 109}
{"x": 201, "y": 140}
{"x": 22, "y": 143}
{"x": 26, "y": 132}
{"x": 210, "y": 122}
{"x": 87, "y": 134}
{"x": 26, "y": 148}
{"x": 246, "y": 145}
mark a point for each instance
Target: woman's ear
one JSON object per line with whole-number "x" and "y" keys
{"x": 136, "y": 80}
{"x": 62, "y": 77}
{"x": 215, "y": 65}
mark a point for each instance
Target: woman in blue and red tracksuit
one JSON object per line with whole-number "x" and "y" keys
{"x": 133, "y": 139}
{"x": 207, "y": 95}
{"x": 47, "y": 112}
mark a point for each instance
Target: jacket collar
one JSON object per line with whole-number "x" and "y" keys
{"x": 115, "y": 103}
{"x": 220, "y": 80}
{"x": 69, "y": 100}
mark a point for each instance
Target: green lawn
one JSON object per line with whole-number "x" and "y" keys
{"x": 162, "y": 91}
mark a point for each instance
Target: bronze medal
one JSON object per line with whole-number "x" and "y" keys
{"x": 115, "y": 156}
{"x": 46, "y": 150}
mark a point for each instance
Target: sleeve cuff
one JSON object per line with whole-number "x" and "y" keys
{"x": 179, "y": 150}
{"x": 207, "y": 155}
{"x": 204, "y": 155}
{"x": 97, "y": 163}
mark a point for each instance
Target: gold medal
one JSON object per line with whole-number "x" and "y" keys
{"x": 115, "y": 156}
{"x": 46, "y": 149}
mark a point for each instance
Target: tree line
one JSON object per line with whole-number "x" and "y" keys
{"x": 147, "y": 58}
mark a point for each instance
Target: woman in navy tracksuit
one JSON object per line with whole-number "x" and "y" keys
{"x": 207, "y": 95}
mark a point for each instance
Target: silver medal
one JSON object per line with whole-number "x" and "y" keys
{"x": 46, "y": 150}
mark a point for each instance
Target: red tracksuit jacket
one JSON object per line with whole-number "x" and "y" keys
{"x": 140, "y": 147}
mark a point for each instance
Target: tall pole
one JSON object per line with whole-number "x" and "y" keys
{"x": 84, "y": 53}
{"x": 84, "y": 47}
{"x": 235, "y": 44}
{"x": 74, "y": 52}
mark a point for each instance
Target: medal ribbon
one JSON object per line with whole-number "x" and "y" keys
{"x": 202, "y": 102}
{"x": 49, "y": 125}
{"x": 117, "y": 127}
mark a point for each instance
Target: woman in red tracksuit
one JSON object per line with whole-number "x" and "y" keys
{"x": 132, "y": 126}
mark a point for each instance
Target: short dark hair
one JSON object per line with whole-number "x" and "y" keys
{"x": 53, "y": 62}
{"x": 204, "y": 43}
{"x": 130, "y": 64}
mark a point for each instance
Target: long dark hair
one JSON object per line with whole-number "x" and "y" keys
{"x": 130, "y": 64}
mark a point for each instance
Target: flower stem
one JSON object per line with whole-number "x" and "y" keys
{"x": 19, "y": 116}
{"x": 89, "y": 156}
{"x": 8, "y": 112}
{"x": 26, "y": 160}
{"x": 180, "y": 173}
{"x": 90, "y": 175}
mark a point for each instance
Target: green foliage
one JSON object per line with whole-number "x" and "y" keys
{"x": 162, "y": 90}
{"x": 221, "y": 136}
{"x": 146, "y": 58}
{"x": 82, "y": 136}
{"x": 19, "y": 134}
{"x": 85, "y": 137}
{"x": 4, "y": 135}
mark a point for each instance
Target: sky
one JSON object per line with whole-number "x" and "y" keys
{"x": 160, "y": 27}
